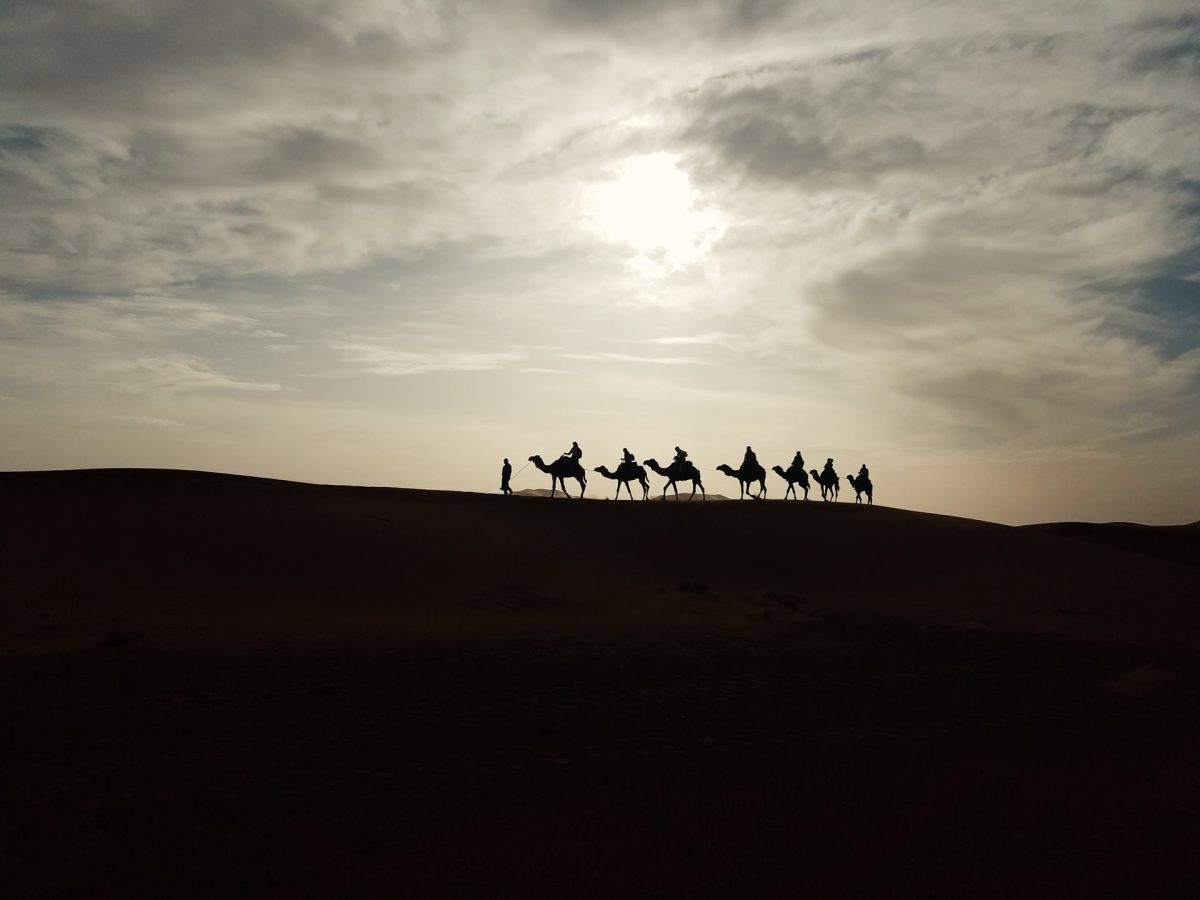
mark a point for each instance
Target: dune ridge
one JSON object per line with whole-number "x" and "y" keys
{"x": 162, "y": 548}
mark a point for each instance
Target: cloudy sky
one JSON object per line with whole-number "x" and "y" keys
{"x": 391, "y": 243}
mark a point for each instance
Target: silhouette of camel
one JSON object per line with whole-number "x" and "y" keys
{"x": 627, "y": 472}
{"x": 830, "y": 486}
{"x": 746, "y": 476}
{"x": 560, "y": 470}
{"x": 676, "y": 472}
{"x": 861, "y": 486}
{"x": 793, "y": 476}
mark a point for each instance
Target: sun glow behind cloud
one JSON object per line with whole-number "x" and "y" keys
{"x": 651, "y": 206}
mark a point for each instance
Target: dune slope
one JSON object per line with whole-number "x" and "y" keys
{"x": 237, "y": 687}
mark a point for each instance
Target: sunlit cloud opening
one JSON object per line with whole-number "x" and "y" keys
{"x": 651, "y": 206}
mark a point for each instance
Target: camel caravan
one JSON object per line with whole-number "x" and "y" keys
{"x": 750, "y": 475}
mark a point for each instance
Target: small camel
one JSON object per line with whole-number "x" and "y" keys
{"x": 862, "y": 485}
{"x": 676, "y": 472}
{"x": 627, "y": 472}
{"x": 560, "y": 470}
{"x": 793, "y": 476}
{"x": 830, "y": 485}
{"x": 746, "y": 476}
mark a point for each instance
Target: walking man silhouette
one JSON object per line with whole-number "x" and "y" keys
{"x": 505, "y": 475}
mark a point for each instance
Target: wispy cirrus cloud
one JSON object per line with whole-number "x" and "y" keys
{"x": 635, "y": 358}
{"x": 712, "y": 337}
{"x": 377, "y": 359}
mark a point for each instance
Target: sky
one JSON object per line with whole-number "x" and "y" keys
{"x": 351, "y": 241}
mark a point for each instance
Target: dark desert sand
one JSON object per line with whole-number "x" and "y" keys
{"x": 216, "y": 686}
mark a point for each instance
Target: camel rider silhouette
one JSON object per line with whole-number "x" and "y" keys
{"x": 575, "y": 453}
{"x": 626, "y": 456}
{"x": 680, "y": 455}
{"x": 828, "y": 470}
{"x": 798, "y": 460}
{"x": 864, "y": 472}
{"x": 750, "y": 459}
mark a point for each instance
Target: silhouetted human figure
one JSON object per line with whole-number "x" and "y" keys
{"x": 750, "y": 459}
{"x": 680, "y": 455}
{"x": 505, "y": 475}
{"x": 575, "y": 453}
{"x": 797, "y": 461}
{"x": 828, "y": 466}
{"x": 626, "y": 456}
{"x": 864, "y": 472}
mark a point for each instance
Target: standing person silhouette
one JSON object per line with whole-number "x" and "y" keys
{"x": 505, "y": 475}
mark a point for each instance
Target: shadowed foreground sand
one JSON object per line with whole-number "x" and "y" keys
{"x": 222, "y": 686}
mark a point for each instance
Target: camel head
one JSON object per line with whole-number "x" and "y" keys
{"x": 728, "y": 471}
{"x": 603, "y": 470}
{"x": 778, "y": 470}
{"x": 535, "y": 459}
{"x": 813, "y": 473}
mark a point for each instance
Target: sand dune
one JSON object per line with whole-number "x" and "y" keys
{"x": 163, "y": 552}
{"x": 238, "y": 687}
